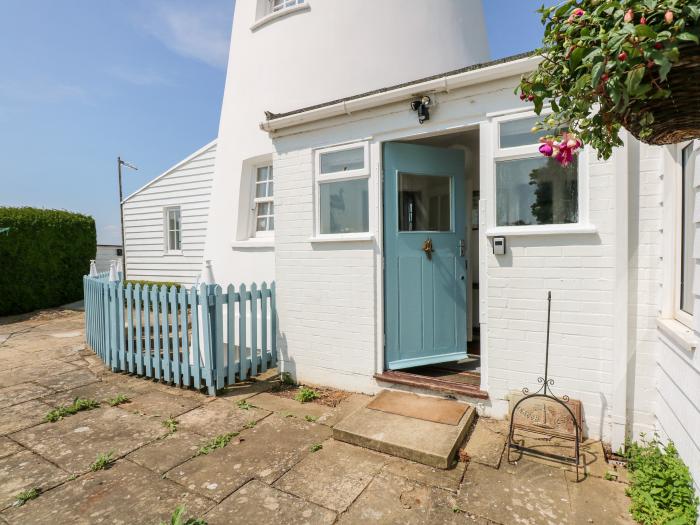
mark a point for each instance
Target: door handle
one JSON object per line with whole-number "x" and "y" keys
{"x": 428, "y": 248}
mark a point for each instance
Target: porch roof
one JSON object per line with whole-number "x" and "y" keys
{"x": 474, "y": 74}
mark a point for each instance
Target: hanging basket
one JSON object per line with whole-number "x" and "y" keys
{"x": 676, "y": 118}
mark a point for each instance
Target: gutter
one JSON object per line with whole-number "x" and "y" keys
{"x": 444, "y": 83}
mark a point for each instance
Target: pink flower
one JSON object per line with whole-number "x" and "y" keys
{"x": 669, "y": 17}
{"x": 629, "y": 16}
{"x": 547, "y": 150}
{"x": 578, "y": 12}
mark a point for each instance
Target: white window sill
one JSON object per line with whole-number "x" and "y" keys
{"x": 172, "y": 252}
{"x": 678, "y": 333}
{"x": 279, "y": 14}
{"x": 254, "y": 243}
{"x": 549, "y": 229}
{"x": 342, "y": 237}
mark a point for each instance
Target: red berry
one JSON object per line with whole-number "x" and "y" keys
{"x": 523, "y": 96}
{"x": 531, "y": 97}
{"x": 658, "y": 45}
{"x": 643, "y": 21}
{"x": 604, "y": 77}
{"x": 622, "y": 56}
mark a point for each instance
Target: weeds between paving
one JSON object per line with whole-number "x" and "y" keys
{"x": 78, "y": 405}
{"x": 215, "y": 443}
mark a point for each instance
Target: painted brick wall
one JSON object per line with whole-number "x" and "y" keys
{"x": 579, "y": 269}
{"x": 326, "y": 291}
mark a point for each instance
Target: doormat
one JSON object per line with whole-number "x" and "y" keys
{"x": 419, "y": 407}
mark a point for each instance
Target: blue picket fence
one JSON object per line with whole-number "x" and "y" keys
{"x": 202, "y": 337}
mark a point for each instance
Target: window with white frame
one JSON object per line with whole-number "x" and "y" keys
{"x": 342, "y": 179}
{"x": 531, "y": 189}
{"x": 279, "y": 5}
{"x": 685, "y": 299}
{"x": 264, "y": 203}
{"x": 173, "y": 229}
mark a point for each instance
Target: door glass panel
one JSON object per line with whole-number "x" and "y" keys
{"x": 425, "y": 203}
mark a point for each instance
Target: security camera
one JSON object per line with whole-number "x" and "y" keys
{"x": 421, "y": 107}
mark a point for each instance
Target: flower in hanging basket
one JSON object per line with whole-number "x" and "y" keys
{"x": 562, "y": 149}
{"x": 614, "y": 63}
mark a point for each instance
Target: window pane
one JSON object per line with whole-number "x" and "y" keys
{"x": 261, "y": 189}
{"x": 343, "y": 160}
{"x": 261, "y": 224}
{"x": 688, "y": 229}
{"x": 536, "y": 191}
{"x": 519, "y": 132}
{"x": 424, "y": 203}
{"x": 263, "y": 174}
{"x": 344, "y": 206}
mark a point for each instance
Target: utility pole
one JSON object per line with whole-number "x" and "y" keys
{"x": 121, "y": 163}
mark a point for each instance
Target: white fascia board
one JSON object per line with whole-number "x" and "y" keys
{"x": 442, "y": 84}
{"x": 172, "y": 168}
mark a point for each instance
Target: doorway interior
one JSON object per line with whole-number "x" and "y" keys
{"x": 462, "y": 376}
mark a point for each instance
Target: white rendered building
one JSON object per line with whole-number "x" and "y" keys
{"x": 404, "y": 243}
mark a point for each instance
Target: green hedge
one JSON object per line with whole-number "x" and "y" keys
{"x": 43, "y": 258}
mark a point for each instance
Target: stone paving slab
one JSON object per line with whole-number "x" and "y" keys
{"x": 286, "y": 406}
{"x": 24, "y": 415}
{"x": 444, "y": 479}
{"x": 125, "y": 494}
{"x": 257, "y": 502}
{"x": 13, "y": 395}
{"x": 9, "y": 447}
{"x": 161, "y": 405}
{"x": 74, "y": 442}
{"x": 393, "y": 499}
{"x": 100, "y": 391}
{"x": 166, "y": 453}
{"x": 23, "y": 471}
{"x": 219, "y": 417}
{"x": 41, "y": 369}
{"x": 486, "y": 443}
{"x": 264, "y": 452}
{"x": 334, "y": 476}
{"x": 527, "y": 493}
{"x": 599, "y": 501}
{"x": 67, "y": 381}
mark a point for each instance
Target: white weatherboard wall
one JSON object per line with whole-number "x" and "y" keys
{"x": 187, "y": 185}
{"x": 106, "y": 253}
{"x": 319, "y": 51}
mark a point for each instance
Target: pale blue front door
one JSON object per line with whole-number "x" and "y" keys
{"x": 425, "y": 291}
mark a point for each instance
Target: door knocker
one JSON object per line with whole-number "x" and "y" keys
{"x": 428, "y": 248}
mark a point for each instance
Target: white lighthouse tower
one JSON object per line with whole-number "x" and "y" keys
{"x": 289, "y": 54}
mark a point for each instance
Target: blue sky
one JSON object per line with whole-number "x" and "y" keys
{"x": 86, "y": 80}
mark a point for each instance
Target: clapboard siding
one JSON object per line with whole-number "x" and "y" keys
{"x": 188, "y": 185}
{"x": 106, "y": 253}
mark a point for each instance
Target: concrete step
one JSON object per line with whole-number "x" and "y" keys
{"x": 428, "y": 442}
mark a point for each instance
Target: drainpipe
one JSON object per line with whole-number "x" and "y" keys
{"x": 624, "y": 164}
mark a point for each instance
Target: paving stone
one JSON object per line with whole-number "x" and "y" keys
{"x": 444, "y": 479}
{"x": 31, "y": 372}
{"x": 164, "y": 454}
{"x": 527, "y": 493}
{"x": 219, "y": 417}
{"x": 161, "y": 404}
{"x": 9, "y": 447}
{"x": 334, "y": 476}
{"x": 286, "y": 406}
{"x": 72, "y": 379}
{"x": 23, "y": 471}
{"x": 13, "y": 395}
{"x": 100, "y": 391}
{"x": 264, "y": 452}
{"x": 74, "y": 442}
{"x": 126, "y": 493}
{"x": 257, "y": 502}
{"x": 485, "y": 446}
{"x": 344, "y": 409}
{"x": 393, "y": 499}
{"x": 596, "y": 500}
{"x": 24, "y": 415}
